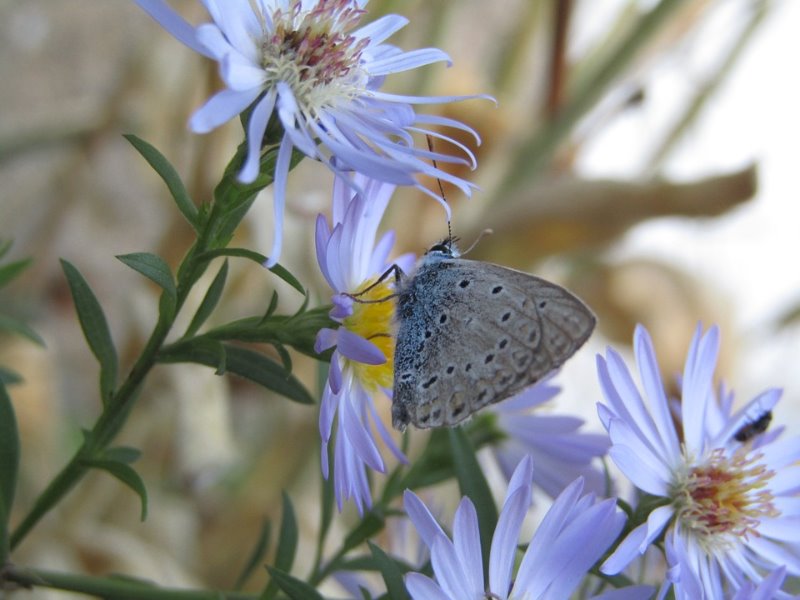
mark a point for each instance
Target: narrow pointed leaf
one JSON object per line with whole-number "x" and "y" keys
{"x": 240, "y": 361}
{"x": 391, "y": 572}
{"x": 9, "y": 467}
{"x": 9, "y": 377}
{"x": 287, "y": 547}
{"x": 370, "y": 524}
{"x": 20, "y": 328}
{"x": 95, "y": 328}
{"x": 209, "y": 302}
{"x": 126, "y": 474}
{"x": 154, "y": 268}
{"x": 170, "y": 176}
{"x": 292, "y": 587}
{"x": 123, "y": 454}
{"x": 257, "y": 555}
{"x": 473, "y": 484}
{"x": 11, "y": 270}
{"x": 280, "y": 271}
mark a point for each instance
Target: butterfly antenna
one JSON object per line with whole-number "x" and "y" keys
{"x": 483, "y": 233}
{"x": 429, "y": 137}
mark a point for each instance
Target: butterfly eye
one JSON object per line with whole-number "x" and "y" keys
{"x": 441, "y": 249}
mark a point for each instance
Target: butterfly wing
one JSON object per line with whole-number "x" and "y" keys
{"x": 472, "y": 334}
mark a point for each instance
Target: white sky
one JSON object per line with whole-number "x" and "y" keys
{"x": 750, "y": 253}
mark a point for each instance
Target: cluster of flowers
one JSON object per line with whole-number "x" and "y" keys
{"x": 721, "y": 503}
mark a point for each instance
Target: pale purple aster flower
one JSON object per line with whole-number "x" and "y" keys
{"x": 686, "y": 585}
{"x": 361, "y": 365}
{"x": 560, "y": 452}
{"x": 571, "y": 538}
{"x": 309, "y": 63}
{"x": 732, "y": 505}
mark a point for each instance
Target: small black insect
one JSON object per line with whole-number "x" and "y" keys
{"x": 754, "y": 428}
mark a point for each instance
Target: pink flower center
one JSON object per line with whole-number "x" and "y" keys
{"x": 314, "y": 49}
{"x": 726, "y": 495}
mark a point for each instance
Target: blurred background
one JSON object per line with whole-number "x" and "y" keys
{"x": 642, "y": 154}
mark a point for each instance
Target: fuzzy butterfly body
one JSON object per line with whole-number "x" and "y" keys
{"x": 472, "y": 333}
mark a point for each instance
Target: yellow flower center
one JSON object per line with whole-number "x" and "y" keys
{"x": 725, "y": 495}
{"x": 374, "y": 321}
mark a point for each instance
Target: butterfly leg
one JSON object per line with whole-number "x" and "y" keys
{"x": 392, "y": 270}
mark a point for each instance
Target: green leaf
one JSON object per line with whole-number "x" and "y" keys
{"x": 123, "y": 454}
{"x": 154, "y": 268}
{"x": 9, "y": 466}
{"x": 11, "y": 270}
{"x": 473, "y": 484}
{"x": 391, "y": 572}
{"x": 20, "y": 328}
{"x": 287, "y": 546}
{"x": 95, "y": 329}
{"x": 292, "y": 587}
{"x": 256, "y": 555}
{"x": 240, "y": 361}
{"x": 5, "y": 246}
{"x": 170, "y": 176}
{"x": 209, "y": 302}
{"x": 370, "y": 524}
{"x": 280, "y": 271}
{"x": 9, "y": 377}
{"x": 126, "y": 475}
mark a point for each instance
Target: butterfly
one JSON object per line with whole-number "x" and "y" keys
{"x": 472, "y": 333}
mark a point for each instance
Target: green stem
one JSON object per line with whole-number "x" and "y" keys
{"x": 116, "y": 412}
{"x": 533, "y": 156}
{"x": 109, "y": 587}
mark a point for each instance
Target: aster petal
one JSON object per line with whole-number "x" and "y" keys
{"x": 360, "y": 439}
{"x": 627, "y": 550}
{"x": 322, "y": 234}
{"x": 429, "y": 99}
{"x": 407, "y": 60}
{"x": 473, "y": 162}
{"x": 221, "y": 108}
{"x": 380, "y": 29}
{"x": 370, "y": 164}
{"x": 292, "y": 119}
{"x": 214, "y": 41}
{"x": 656, "y": 521}
{"x": 633, "y": 592}
{"x": 467, "y": 543}
{"x": 326, "y": 338}
{"x": 239, "y": 74}
{"x": 505, "y": 538}
{"x": 654, "y": 389}
{"x": 624, "y": 399}
{"x": 385, "y": 435}
{"x": 548, "y": 530}
{"x": 776, "y": 554}
{"x": 424, "y": 588}
{"x": 355, "y": 347}
{"x": 644, "y": 470}
{"x": 423, "y": 520}
{"x": 440, "y": 121}
{"x": 377, "y": 262}
{"x": 573, "y": 552}
{"x": 766, "y": 590}
{"x": 239, "y": 24}
{"x": 450, "y": 573}
{"x": 784, "y": 528}
{"x": 782, "y": 453}
{"x": 256, "y": 127}
{"x": 335, "y": 373}
{"x": 697, "y": 387}
{"x": 164, "y": 15}
{"x": 279, "y": 198}
{"x": 529, "y": 398}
